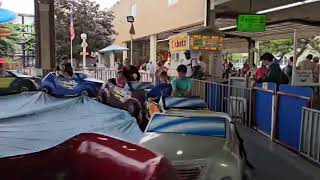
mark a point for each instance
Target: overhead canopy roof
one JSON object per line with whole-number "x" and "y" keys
{"x": 231, "y": 8}
{"x": 281, "y": 24}
{"x": 279, "y": 30}
{"x": 113, "y": 48}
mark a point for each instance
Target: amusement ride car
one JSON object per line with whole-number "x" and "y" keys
{"x": 14, "y": 82}
{"x": 79, "y": 84}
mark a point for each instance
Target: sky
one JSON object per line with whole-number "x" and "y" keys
{"x": 27, "y": 6}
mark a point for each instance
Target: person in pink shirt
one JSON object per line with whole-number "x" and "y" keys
{"x": 121, "y": 80}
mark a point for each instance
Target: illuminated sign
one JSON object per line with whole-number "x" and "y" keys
{"x": 206, "y": 43}
{"x": 251, "y": 23}
{"x": 179, "y": 43}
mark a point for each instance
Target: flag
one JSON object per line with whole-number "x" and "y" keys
{"x": 72, "y": 33}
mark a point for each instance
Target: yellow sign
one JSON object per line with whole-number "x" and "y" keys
{"x": 206, "y": 43}
{"x": 178, "y": 43}
{"x": 5, "y": 82}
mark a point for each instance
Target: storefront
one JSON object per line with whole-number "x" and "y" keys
{"x": 206, "y": 48}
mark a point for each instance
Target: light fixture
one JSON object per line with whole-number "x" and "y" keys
{"x": 179, "y": 152}
{"x": 223, "y": 165}
{"x": 130, "y": 19}
{"x": 287, "y": 6}
{"x": 227, "y": 28}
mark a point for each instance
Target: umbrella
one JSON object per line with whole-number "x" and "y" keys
{"x": 113, "y": 48}
{"x": 6, "y": 15}
{"x": 3, "y": 60}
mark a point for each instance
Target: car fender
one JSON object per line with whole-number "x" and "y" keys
{"x": 91, "y": 88}
{"x": 136, "y": 101}
{"x": 20, "y": 81}
{"x": 105, "y": 92}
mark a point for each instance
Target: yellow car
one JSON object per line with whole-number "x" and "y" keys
{"x": 13, "y": 82}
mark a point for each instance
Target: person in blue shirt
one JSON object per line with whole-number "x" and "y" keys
{"x": 163, "y": 89}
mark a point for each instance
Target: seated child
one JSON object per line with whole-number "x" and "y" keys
{"x": 121, "y": 80}
{"x": 181, "y": 85}
{"x": 162, "y": 89}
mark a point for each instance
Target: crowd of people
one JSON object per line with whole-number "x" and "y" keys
{"x": 179, "y": 86}
{"x": 270, "y": 70}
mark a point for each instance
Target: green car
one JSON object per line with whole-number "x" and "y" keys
{"x": 12, "y": 82}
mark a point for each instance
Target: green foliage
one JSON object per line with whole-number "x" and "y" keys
{"x": 20, "y": 34}
{"x": 285, "y": 46}
{"x": 282, "y": 46}
{"x": 89, "y": 19}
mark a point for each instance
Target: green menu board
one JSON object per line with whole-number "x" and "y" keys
{"x": 251, "y": 23}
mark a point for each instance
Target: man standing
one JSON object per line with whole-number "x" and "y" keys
{"x": 288, "y": 69}
{"x": 189, "y": 62}
{"x": 274, "y": 73}
{"x": 306, "y": 64}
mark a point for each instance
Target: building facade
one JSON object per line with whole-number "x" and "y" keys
{"x": 155, "y": 21}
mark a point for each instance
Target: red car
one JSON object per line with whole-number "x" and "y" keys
{"x": 89, "y": 156}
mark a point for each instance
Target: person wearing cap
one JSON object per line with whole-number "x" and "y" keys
{"x": 274, "y": 73}
{"x": 181, "y": 86}
{"x": 190, "y": 63}
{"x": 130, "y": 71}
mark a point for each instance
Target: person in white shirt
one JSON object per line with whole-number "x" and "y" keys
{"x": 189, "y": 62}
{"x": 149, "y": 66}
{"x": 167, "y": 64}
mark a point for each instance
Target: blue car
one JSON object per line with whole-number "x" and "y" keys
{"x": 79, "y": 85}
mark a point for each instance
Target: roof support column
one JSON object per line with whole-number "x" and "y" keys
{"x": 257, "y": 54}
{"x": 153, "y": 49}
{"x": 112, "y": 58}
{"x": 45, "y": 34}
{"x": 251, "y": 47}
{"x": 125, "y": 53}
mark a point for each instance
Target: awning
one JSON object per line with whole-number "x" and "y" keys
{"x": 6, "y": 16}
{"x": 113, "y": 48}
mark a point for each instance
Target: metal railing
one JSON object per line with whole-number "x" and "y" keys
{"x": 310, "y": 134}
{"x": 99, "y": 73}
{"x": 106, "y": 74}
{"x": 236, "y": 101}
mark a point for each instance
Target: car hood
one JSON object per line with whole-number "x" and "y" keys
{"x": 94, "y": 80}
{"x": 181, "y": 147}
{"x": 210, "y": 157}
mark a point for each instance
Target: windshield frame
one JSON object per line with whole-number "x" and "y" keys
{"x": 226, "y": 126}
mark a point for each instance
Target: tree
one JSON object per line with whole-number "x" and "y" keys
{"x": 282, "y": 46}
{"x": 286, "y": 46}
{"x": 88, "y": 18}
{"x": 21, "y": 34}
